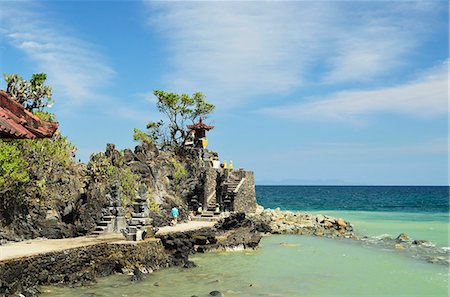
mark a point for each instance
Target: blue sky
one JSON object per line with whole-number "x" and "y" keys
{"x": 307, "y": 92}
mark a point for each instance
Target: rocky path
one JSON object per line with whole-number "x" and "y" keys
{"x": 42, "y": 246}
{"x": 182, "y": 227}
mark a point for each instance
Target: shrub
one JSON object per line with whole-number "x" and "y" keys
{"x": 13, "y": 172}
{"x": 179, "y": 173}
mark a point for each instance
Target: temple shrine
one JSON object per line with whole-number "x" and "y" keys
{"x": 16, "y": 122}
{"x": 199, "y": 134}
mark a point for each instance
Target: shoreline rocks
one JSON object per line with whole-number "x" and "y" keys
{"x": 303, "y": 223}
{"x": 419, "y": 249}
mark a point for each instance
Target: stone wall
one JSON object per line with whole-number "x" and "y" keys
{"x": 79, "y": 266}
{"x": 210, "y": 184}
{"x": 245, "y": 200}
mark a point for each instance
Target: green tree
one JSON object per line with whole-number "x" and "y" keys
{"x": 33, "y": 94}
{"x": 178, "y": 110}
{"x": 13, "y": 170}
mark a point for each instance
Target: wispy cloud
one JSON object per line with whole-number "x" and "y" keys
{"x": 239, "y": 50}
{"x": 128, "y": 113}
{"x": 75, "y": 68}
{"x": 423, "y": 97}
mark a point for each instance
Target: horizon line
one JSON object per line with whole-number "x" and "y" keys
{"x": 349, "y": 185}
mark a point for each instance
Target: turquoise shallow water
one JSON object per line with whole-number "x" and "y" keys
{"x": 433, "y": 227}
{"x": 286, "y": 266}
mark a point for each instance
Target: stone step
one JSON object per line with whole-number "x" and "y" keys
{"x": 106, "y": 218}
{"x": 205, "y": 219}
{"x": 233, "y": 181}
{"x": 100, "y": 228}
{"x": 104, "y": 223}
{"x": 97, "y": 232}
{"x": 207, "y": 214}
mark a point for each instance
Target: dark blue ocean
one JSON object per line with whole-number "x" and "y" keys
{"x": 420, "y": 211}
{"x": 356, "y": 198}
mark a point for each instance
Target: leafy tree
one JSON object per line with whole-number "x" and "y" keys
{"x": 33, "y": 94}
{"x": 13, "y": 171}
{"x": 178, "y": 110}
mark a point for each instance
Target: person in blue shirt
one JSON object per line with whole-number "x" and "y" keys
{"x": 174, "y": 212}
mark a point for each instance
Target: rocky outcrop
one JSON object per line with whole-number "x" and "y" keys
{"x": 77, "y": 193}
{"x": 55, "y": 211}
{"x": 302, "y": 223}
{"x": 234, "y": 232}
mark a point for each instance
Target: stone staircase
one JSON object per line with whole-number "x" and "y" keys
{"x": 212, "y": 203}
{"x": 232, "y": 186}
{"x": 106, "y": 225}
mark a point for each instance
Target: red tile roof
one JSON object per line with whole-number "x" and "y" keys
{"x": 200, "y": 126}
{"x": 17, "y": 122}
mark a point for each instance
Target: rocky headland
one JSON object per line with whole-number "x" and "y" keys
{"x": 75, "y": 197}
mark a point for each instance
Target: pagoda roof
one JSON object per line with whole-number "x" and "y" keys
{"x": 17, "y": 122}
{"x": 200, "y": 126}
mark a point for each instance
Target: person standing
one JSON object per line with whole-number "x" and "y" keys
{"x": 175, "y": 213}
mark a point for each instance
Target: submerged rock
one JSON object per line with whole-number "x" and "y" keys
{"x": 402, "y": 237}
{"x": 399, "y": 247}
{"x": 421, "y": 242}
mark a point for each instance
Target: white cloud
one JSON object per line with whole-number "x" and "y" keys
{"x": 236, "y": 50}
{"x": 128, "y": 113}
{"x": 74, "y": 67}
{"x": 423, "y": 98}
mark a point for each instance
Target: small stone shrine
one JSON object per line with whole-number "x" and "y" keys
{"x": 136, "y": 225}
{"x": 113, "y": 214}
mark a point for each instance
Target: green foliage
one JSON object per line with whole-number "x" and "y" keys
{"x": 44, "y": 115}
{"x": 41, "y": 184}
{"x": 25, "y": 166}
{"x": 129, "y": 184}
{"x": 48, "y": 151}
{"x": 179, "y": 110}
{"x": 101, "y": 170}
{"x": 13, "y": 171}
{"x": 179, "y": 173}
{"x": 34, "y": 94}
{"x": 142, "y": 136}
{"x": 153, "y": 206}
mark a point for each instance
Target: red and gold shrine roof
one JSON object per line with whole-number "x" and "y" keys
{"x": 17, "y": 122}
{"x": 200, "y": 126}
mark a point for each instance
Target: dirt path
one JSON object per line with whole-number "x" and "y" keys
{"x": 192, "y": 225}
{"x": 41, "y": 246}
